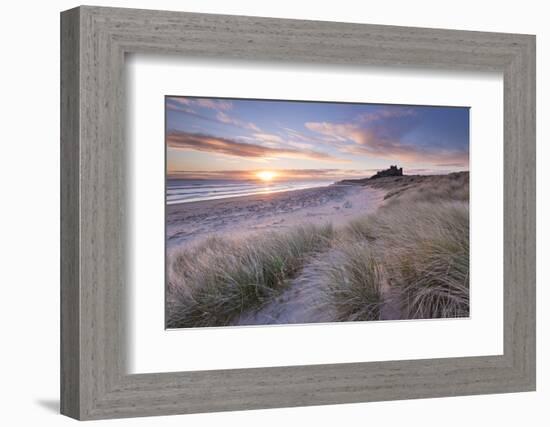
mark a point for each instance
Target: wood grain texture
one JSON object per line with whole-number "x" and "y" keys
{"x": 94, "y": 201}
{"x": 70, "y": 297}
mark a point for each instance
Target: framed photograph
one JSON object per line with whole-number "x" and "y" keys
{"x": 262, "y": 213}
{"x": 276, "y": 213}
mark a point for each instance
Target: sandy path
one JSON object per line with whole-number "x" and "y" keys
{"x": 300, "y": 302}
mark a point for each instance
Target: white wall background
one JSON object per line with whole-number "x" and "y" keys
{"x": 29, "y": 212}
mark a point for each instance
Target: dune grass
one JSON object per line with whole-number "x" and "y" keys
{"x": 433, "y": 188}
{"x": 422, "y": 250}
{"x": 415, "y": 246}
{"x": 219, "y": 279}
{"x": 351, "y": 282}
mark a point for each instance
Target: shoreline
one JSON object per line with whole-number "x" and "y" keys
{"x": 249, "y": 196}
{"x": 244, "y": 215}
{"x": 258, "y": 193}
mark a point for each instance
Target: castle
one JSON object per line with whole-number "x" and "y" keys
{"x": 392, "y": 171}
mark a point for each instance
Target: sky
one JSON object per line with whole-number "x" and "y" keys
{"x": 215, "y": 138}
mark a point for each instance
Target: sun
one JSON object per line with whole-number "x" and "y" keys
{"x": 266, "y": 175}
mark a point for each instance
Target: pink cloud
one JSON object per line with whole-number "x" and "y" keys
{"x": 376, "y": 141}
{"x": 229, "y": 147}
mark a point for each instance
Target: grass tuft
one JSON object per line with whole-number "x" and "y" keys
{"x": 434, "y": 273}
{"x": 351, "y": 282}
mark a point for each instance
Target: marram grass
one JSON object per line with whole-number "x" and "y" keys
{"x": 219, "y": 279}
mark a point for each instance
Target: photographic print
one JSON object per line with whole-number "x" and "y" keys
{"x": 286, "y": 212}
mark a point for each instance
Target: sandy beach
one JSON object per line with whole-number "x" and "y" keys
{"x": 386, "y": 249}
{"x": 188, "y": 223}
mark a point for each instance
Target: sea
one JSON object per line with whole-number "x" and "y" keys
{"x": 195, "y": 190}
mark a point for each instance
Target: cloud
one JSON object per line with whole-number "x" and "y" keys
{"x": 183, "y": 105}
{"x": 273, "y": 141}
{"x": 380, "y": 134}
{"x": 376, "y": 144}
{"x": 300, "y": 136}
{"x": 334, "y": 131}
{"x": 224, "y": 118}
{"x": 181, "y": 108}
{"x": 301, "y": 145}
{"x": 288, "y": 141}
{"x": 269, "y": 138}
{"x": 229, "y": 147}
{"x": 387, "y": 113}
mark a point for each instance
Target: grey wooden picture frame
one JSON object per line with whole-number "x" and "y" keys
{"x": 94, "y": 42}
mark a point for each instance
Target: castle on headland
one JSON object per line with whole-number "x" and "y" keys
{"x": 392, "y": 171}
